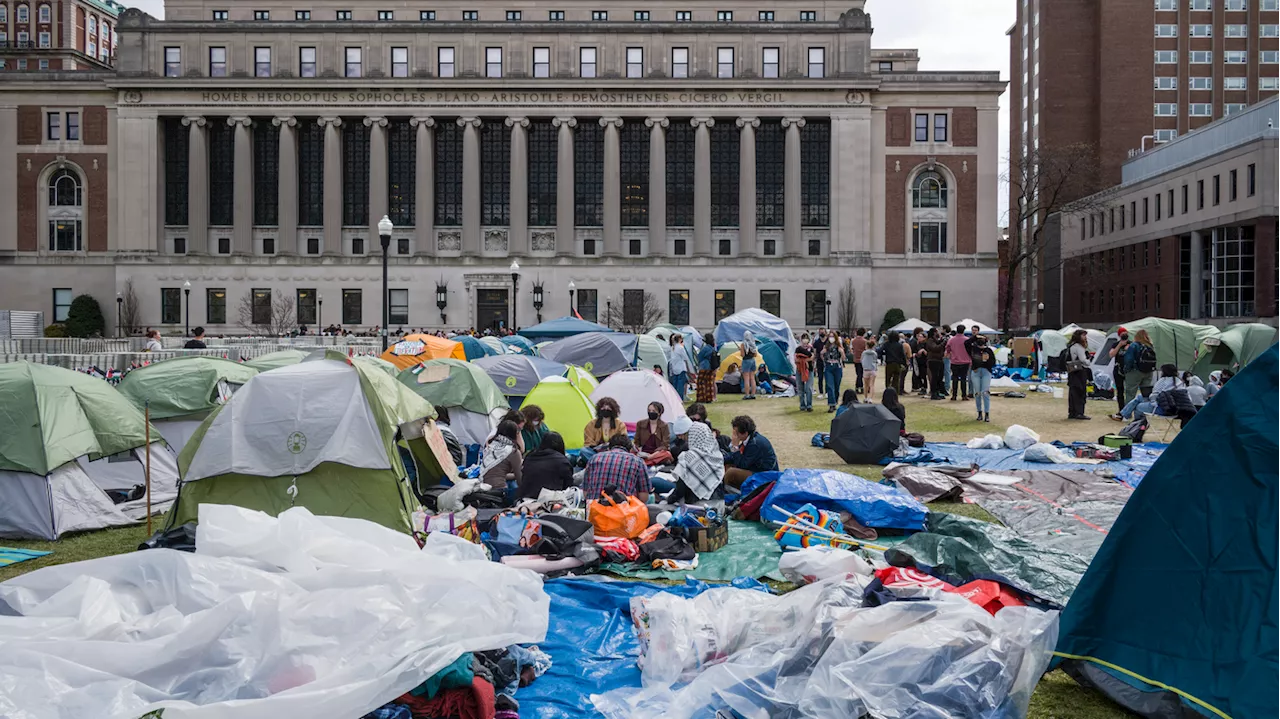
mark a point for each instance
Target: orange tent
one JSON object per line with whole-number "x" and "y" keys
{"x": 413, "y": 349}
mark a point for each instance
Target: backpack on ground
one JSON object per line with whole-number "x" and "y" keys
{"x": 1146, "y": 361}
{"x": 1136, "y": 429}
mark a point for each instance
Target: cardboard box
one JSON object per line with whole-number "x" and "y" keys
{"x": 709, "y": 539}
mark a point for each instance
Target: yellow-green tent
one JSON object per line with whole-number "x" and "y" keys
{"x": 566, "y": 408}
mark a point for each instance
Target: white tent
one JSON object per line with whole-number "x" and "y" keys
{"x": 909, "y": 325}
{"x": 634, "y": 390}
{"x": 976, "y": 326}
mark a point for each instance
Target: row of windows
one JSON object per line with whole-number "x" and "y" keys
{"x": 1163, "y": 204}
{"x": 1114, "y": 260}
{"x": 1230, "y": 5}
{"x": 22, "y": 14}
{"x": 446, "y": 62}
{"x": 1205, "y": 30}
{"x": 1089, "y": 306}
{"x": 1206, "y": 83}
{"x": 511, "y": 15}
{"x": 1205, "y": 57}
{"x": 1196, "y": 109}
{"x": 62, "y": 126}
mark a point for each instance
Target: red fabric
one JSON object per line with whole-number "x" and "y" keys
{"x": 477, "y": 702}
{"x": 991, "y": 596}
{"x": 750, "y": 509}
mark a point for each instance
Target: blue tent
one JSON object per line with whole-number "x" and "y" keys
{"x": 761, "y": 324}
{"x": 522, "y": 344}
{"x": 1178, "y": 610}
{"x": 474, "y": 348}
{"x": 776, "y": 358}
{"x": 558, "y": 328}
{"x": 600, "y": 353}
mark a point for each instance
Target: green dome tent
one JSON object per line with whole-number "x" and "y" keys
{"x": 183, "y": 391}
{"x": 566, "y": 408}
{"x": 273, "y": 360}
{"x": 1235, "y": 347}
{"x": 319, "y": 434}
{"x": 377, "y": 363}
{"x": 582, "y": 379}
{"x": 66, "y": 440}
{"x": 1175, "y": 341}
{"x": 474, "y": 402}
{"x": 651, "y": 351}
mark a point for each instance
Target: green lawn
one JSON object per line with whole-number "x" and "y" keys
{"x": 73, "y": 548}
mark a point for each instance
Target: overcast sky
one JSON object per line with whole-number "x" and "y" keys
{"x": 950, "y": 35}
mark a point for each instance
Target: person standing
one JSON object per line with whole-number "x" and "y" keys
{"x": 1139, "y": 364}
{"x": 935, "y": 347}
{"x": 197, "y": 340}
{"x": 1117, "y": 368}
{"x": 819, "y": 344}
{"x": 895, "y": 361}
{"x": 958, "y": 355}
{"x": 678, "y": 365}
{"x": 153, "y": 341}
{"x": 804, "y": 372}
{"x": 983, "y": 362}
{"x": 747, "y": 347}
{"x": 707, "y": 369}
{"x": 946, "y": 335}
{"x": 867, "y": 363}
{"x": 833, "y": 358}
{"x": 1078, "y": 373}
{"x": 857, "y": 346}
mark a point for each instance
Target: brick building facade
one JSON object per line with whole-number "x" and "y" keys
{"x": 55, "y": 35}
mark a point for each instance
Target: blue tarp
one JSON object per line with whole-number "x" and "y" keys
{"x": 592, "y": 643}
{"x": 872, "y": 504}
{"x": 1010, "y": 459}
{"x": 558, "y": 328}
{"x": 520, "y": 343}
{"x": 600, "y": 353}
{"x": 762, "y": 325}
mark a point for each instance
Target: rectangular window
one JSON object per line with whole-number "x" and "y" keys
{"x": 929, "y": 237}
{"x": 1199, "y": 194}
{"x": 402, "y": 245}
{"x": 301, "y": 15}
{"x": 306, "y": 62}
{"x": 1201, "y": 4}
{"x": 1200, "y": 109}
{"x": 679, "y": 62}
{"x": 261, "y": 304}
{"x": 725, "y": 248}
{"x": 680, "y": 247}
{"x": 215, "y": 306}
{"x": 1203, "y": 57}
{"x": 171, "y": 305}
{"x": 217, "y": 15}
{"x": 1269, "y": 83}
{"x": 641, "y": 16}
{"x": 1159, "y": 207}
{"x": 73, "y": 126}
{"x": 53, "y": 126}
{"x": 217, "y": 62}
{"x": 1235, "y": 83}
{"x": 493, "y": 62}
{"x": 724, "y": 62}
{"x": 632, "y": 308}
{"x": 888, "y": 67}
{"x": 1230, "y": 57}
{"x": 1185, "y": 199}
{"x": 399, "y": 62}
{"x": 542, "y": 62}
{"x": 939, "y": 128}
{"x": 817, "y": 62}
{"x": 1250, "y": 179}
{"x": 179, "y": 245}
{"x": 725, "y": 304}
{"x": 1269, "y": 57}
{"x": 588, "y": 302}
{"x": 444, "y": 59}
{"x": 354, "y": 66}
{"x": 268, "y": 246}
{"x": 1217, "y": 190}
{"x": 386, "y": 15}
{"x": 342, "y": 15}
{"x": 1171, "y": 203}
{"x": 352, "y": 307}
{"x": 1166, "y": 57}
{"x": 398, "y": 310}
{"x": 357, "y": 245}
{"x": 1166, "y": 30}
{"x": 724, "y": 16}
{"x": 1165, "y": 135}
{"x": 1232, "y": 107}
{"x": 514, "y": 16}
{"x": 262, "y": 62}
{"x": 1201, "y": 30}
{"x": 808, "y": 16}
{"x": 684, "y": 16}
{"x": 587, "y": 62}
{"x": 426, "y": 15}
{"x": 765, "y": 16}
{"x": 678, "y": 307}
{"x": 635, "y": 62}
{"x": 1201, "y": 83}
{"x": 815, "y": 308}
{"x": 224, "y": 245}
{"x": 61, "y": 304}
{"x": 1232, "y": 176}
{"x": 43, "y": 39}
{"x": 555, "y": 15}
{"x": 769, "y": 62}
{"x": 313, "y": 245}
{"x": 589, "y": 247}
{"x": 1270, "y": 30}
{"x": 922, "y": 128}
{"x": 600, "y": 15}
{"x": 305, "y": 301}
{"x": 931, "y": 306}
{"x": 633, "y": 248}
{"x": 1236, "y": 31}
{"x": 771, "y": 302}
{"x": 1237, "y": 5}
{"x": 470, "y": 15}
{"x": 1166, "y": 109}
{"x": 1166, "y": 83}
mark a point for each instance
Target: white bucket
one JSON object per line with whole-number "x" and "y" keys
{"x": 1058, "y": 393}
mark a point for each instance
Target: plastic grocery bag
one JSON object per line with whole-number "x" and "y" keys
{"x": 1041, "y": 452}
{"x": 1019, "y": 437}
{"x": 805, "y": 566}
{"x": 991, "y": 441}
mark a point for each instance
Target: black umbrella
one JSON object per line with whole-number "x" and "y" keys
{"x": 865, "y": 434}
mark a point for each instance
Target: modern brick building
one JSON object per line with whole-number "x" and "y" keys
{"x": 715, "y": 156}
{"x": 1189, "y": 233}
{"x": 1125, "y": 75}
{"x": 50, "y": 35}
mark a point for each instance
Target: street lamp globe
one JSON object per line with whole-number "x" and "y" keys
{"x": 384, "y": 226}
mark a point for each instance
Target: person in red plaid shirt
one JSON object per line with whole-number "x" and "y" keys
{"x": 616, "y": 467}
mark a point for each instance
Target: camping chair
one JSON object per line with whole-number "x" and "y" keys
{"x": 1169, "y": 423}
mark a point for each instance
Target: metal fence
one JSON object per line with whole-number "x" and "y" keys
{"x": 79, "y": 354}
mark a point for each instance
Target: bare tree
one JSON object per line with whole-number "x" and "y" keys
{"x": 129, "y": 310}
{"x": 639, "y": 319}
{"x": 847, "y": 307}
{"x": 1044, "y": 181}
{"x": 274, "y": 319}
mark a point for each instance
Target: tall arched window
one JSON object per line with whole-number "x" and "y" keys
{"x": 65, "y": 211}
{"x": 929, "y": 213}
{"x": 4, "y": 13}
{"x": 23, "y": 14}
{"x": 92, "y": 24}
{"x": 43, "y": 14}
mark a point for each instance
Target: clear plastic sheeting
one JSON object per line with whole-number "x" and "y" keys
{"x": 817, "y": 652}
{"x": 295, "y": 616}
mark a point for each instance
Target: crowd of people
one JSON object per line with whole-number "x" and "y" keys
{"x": 1140, "y": 392}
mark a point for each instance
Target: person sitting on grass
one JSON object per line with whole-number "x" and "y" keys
{"x": 847, "y": 400}
{"x": 699, "y": 473}
{"x": 731, "y": 383}
{"x": 500, "y": 462}
{"x": 652, "y": 434}
{"x": 534, "y": 431}
{"x": 749, "y": 452}
{"x": 451, "y": 442}
{"x": 546, "y": 467}
{"x": 605, "y": 426}
{"x": 618, "y": 468}
{"x": 891, "y": 403}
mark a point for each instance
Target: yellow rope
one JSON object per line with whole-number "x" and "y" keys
{"x": 1152, "y": 682}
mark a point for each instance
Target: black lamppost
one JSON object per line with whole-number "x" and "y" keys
{"x": 442, "y": 300}
{"x": 608, "y": 313}
{"x": 384, "y": 233}
{"x": 537, "y": 300}
{"x": 320, "y": 314}
{"x": 186, "y": 291}
{"x": 515, "y": 288}
{"x": 573, "y": 309}
{"x": 1040, "y": 313}
{"x": 828, "y": 314}
{"x": 119, "y": 307}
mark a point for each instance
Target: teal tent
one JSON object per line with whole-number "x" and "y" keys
{"x": 474, "y": 348}
{"x": 1177, "y": 614}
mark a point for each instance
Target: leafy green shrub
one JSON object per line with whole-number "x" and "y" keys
{"x": 891, "y": 318}
{"x": 84, "y": 318}
{"x": 55, "y": 330}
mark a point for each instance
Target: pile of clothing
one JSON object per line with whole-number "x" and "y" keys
{"x": 478, "y": 685}
{"x": 668, "y": 542}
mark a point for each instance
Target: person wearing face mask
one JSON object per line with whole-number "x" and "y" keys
{"x": 819, "y": 342}
{"x": 652, "y": 434}
{"x": 605, "y": 426}
{"x": 534, "y": 430}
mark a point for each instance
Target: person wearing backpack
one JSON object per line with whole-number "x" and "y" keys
{"x": 1117, "y": 370}
{"x": 1139, "y": 364}
{"x": 708, "y": 363}
{"x": 1078, "y": 374}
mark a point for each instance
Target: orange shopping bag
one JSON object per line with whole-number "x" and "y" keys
{"x": 618, "y": 520}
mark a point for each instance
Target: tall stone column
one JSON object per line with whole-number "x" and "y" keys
{"x": 287, "y": 197}
{"x": 424, "y": 197}
{"x": 518, "y": 233}
{"x": 747, "y": 186}
{"x": 470, "y": 185}
{"x": 332, "y": 184}
{"x": 565, "y": 224}
{"x": 377, "y": 173}
{"x": 791, "y": 188}
{"x": 242, "y": 217}
{"x": 657, "y": 185}
{"x": 197, "y": 187}
{"x": 612, "y": 186}
{"x": 702, "y": 186}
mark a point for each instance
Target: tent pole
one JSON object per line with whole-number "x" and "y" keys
{"x": 147, "y": 430}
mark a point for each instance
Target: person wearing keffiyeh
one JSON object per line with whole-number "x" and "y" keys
{"x": 700, "y": 469}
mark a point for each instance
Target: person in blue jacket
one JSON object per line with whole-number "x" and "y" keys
{"x": 707, "y": 363}
{"x": 749, "y": 452}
